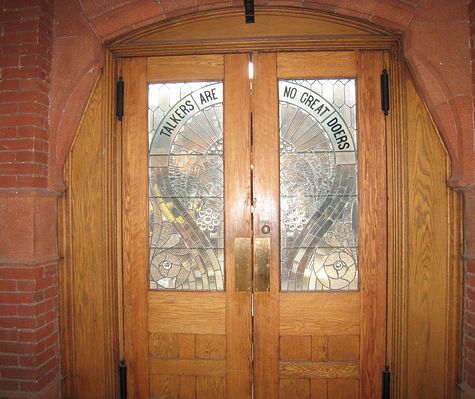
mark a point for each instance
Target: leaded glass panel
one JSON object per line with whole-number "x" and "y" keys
{"x": 186, "y": 217}
{"x": 318, "y": 185}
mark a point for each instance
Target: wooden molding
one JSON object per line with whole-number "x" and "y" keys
{"x": 224, "y": 31}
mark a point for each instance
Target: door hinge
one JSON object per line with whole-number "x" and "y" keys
{"x": 123, "y": 380}
{"x": 249, "y": 11}
{"x": 119, "y": 98}
{"x": 385, "y": 92}
{"x": 386, "y": 383}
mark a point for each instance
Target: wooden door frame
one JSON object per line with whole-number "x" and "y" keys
{"x": 345, "y": 34}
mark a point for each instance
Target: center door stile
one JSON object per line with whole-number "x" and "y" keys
{"x": 266, "y": 212}
{"x": 237, "y": 211}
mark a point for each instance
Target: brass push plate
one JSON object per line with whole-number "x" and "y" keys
{"x": 262, "y": 264}
{"x": 242, "y": 264}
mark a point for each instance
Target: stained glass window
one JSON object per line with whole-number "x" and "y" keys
{"x": 186, "y": 186}
{"x": 318, "y": 185}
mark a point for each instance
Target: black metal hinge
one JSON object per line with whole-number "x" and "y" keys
{"x": 385, "y": 92}
{"x": 386, "y": 383}
{"x": 123, "y": 380}
{"x": 249, "y": 11}
{"x": 119, "y": 100}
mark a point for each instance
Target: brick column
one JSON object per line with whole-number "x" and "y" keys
{"x": 468, "y": 355}
{"x": 29, "y": 347}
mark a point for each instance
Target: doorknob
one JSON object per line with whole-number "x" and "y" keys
{"x": 265, "y": 229}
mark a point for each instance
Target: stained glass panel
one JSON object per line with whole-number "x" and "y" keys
{"x": 318, "y": 185}
{"x": 186, "y": 186}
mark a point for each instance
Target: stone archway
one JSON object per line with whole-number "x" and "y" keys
{"x": 433, "y": 39}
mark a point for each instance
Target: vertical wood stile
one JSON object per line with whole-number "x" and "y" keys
{"x": 135, "y": 232}
{"x": 110, "y": 234}
{"x": 266, "y": 212}
{"x": 397, "y": 231}
{"x": 237, "y": 155}
{"x": 373, "y": 230}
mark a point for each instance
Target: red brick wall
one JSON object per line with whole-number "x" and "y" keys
{"x": 29, "y": 358}
{"x": 25, "y": 67}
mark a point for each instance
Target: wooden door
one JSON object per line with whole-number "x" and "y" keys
{"x": 320, "y": 329}
{"x": 213, "y": 309}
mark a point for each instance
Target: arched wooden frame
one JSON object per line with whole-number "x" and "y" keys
{"x": 98, "y": 317}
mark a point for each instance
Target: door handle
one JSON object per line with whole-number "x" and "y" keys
{"x": 243, "y": 270}
{"x": 242, "y": 264}
{"x": 262, "y": 264}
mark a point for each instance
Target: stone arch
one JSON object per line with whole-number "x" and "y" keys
{"x": 434, "y": 36}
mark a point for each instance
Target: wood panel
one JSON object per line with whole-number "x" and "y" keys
{"x": 187, "y": 367}
{"x": 333, "y": 315}
{"x": 294, "y": 388}
{"x": 165, "y": 346}
{"x": 319, "y": 349}
{"x": 314, "y": 65}
{"x": 295, "y": 347}
{"x": 290, "y": 369}
{"x": 237, "y": 214}
{"x": 165, "y": 386}
{"x": 431, "y": 274}
{"x": 185, "y": 68}
{"x": 319, "y": 388}
{"x": 210, "y": 347}
{"x": 135, "y": 222}
{"x": 343, "y": 389}
{"x": 210, "y": 387}
{"x": 373, "y": 226}
{"x": 186, "y": 312}
{"x": 344, "y": 347}
{"x": 187, "y": 387}
{"x": 87, "y": 282}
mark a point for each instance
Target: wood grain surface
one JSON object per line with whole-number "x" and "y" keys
{"x": 186, "y": 312}
{"x": 335, "y": 313}
{"x": 185, "y": 68}
{"x": 324, "y": 64}
{"x": 373, "y": 222}
{"x": 188, "y": 367}
{"x": 237, "y": 207}
{"x": 319, "y": 370}
{"x": 266, "y": 212}
{"x": 431, "y": 275}
{"x": 135, "y": 227}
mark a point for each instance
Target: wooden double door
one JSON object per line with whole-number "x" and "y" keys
{"x": 254, "y": 225}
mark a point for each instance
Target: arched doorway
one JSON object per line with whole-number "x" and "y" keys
{"x": 312, "y": 47}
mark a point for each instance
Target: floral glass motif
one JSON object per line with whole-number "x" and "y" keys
{"x": 318, "y": 185}
{"x": 186, "y": 186}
